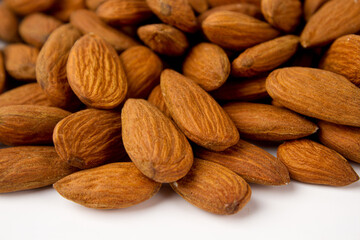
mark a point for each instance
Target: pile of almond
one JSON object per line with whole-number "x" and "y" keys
{"x": 109, "y": 99}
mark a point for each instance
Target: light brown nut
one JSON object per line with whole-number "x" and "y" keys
{"x": 153, "y": 142}
{"x": 8, "y": 25}
{"x": 334, "y": 19}
{"x": 343, "y": 57}
{"x": 268, "y": 123}
{"x": 29, "y": 124}
{"x": 93, "y": 4}
{"x": 164, "y": 39}
{"x": 199, "y": 6}
{"x": 176, "y": 13}
{"x": 205, "y": 187}
{"x": 143, "y": 68}
{"x": 23, "y": 168}
{"x": 215, "y": 3}
{"x": 112, "y": 186}
{"x": 89, "y": 138}
{"x": 249, "y": 161}
{"x": 96, "y": 74}
{"x": 343, "y": 139}
{"x": 20, "y": 61}
{"x": 311, "y": 162}
{"x": 156, "y": 98}
{"x": 311, "y": 6}
{"x": 316, "y": 93}
{"x": 265, "y": 56}
{"x": 88, "y": 22}
{"x": 196, "y": 113}
{"x": 25, "y": 7}
{"x": 208, "y": 65}
{"x": 62, "y": 9}
{"x": 236, "y": 31}
{"x": 2, "y": 73}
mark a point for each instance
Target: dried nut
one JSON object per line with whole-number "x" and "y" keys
{"x": 215, "y": 3}
{"x": 316, "y": 93}
{"x": 23, "y": 168}
{"x": 2, "y": 73}
{"x": 25, "y": 7}
{"x": 96, "y": 74}
{"x": 311, "y": 6}
{"x": 196, "y": 113}
{"x": 311, "y": 162}
{"x": 8, "y": 25}
{"x": 93, "y": 4}
{"x": 62, "y": 9}
{"x": 156, "y": 146}
{"x": 156, "y": 98}
{"x": 213, "y": 188}
{"x": 199, "y": 6}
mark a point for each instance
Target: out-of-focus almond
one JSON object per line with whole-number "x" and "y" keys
{"x": 156, "y": 98}
{"x": 311, "y": 6}
{"x": 93, "y": 4}
{"x": 62, "y": 9}
{"x": 199, "y": 6}
{"x": 8, "y": 25}
{"x": 25, "y": 7}
{"x": 215, "y": 3}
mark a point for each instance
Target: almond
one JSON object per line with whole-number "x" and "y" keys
{"x": 2, "y": 73}
{"x": 25, "y": 7}
{"x": 196, "y": 113}
{"x": 316, "y": 93}
{"x": 199, "y": 6}
{"x": 156, "y": 98}
{"x": 93, "y": 4}
{"x": 311, "y": 162}
{"x": 95, "y": 73}
{"x": 8, "y": 25}
{"x": 62, "y": 9}
{"x": 311, "y": 6}
{"x": 215, "y": 3}
{"x": 213, "y": 188}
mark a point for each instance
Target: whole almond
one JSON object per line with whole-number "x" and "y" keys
{"x": 89, "y": 138}
{"x": 215, "y": 3}
{"x": 343, "y": 139}
{"x": 249, "y": 161}
{"x": 8, "y": 25}
{"x": 199, "y": 6}
{"x": 156, "y": 146}
{"x": 208, "y": 65}
{"x": 96, "y": 74}
{"x": 196, "y": 113}
{"x": 311, "y": 162}
{"x": 2, "y": 73}
{"x": 156, "y": 98}
{"x": 62, "y": 9}
{"x": 23, "y": 168}
{"x": 213, "y": 188}
{"x": 316, "y": 93}
{"x": 115, "y": 185}
{"x": 25, "y": 7}
{"x": 93, "y": 4}
{"x": 311, "y": 6}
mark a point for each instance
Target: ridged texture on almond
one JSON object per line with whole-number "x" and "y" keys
{"x": 20, "y": 61}
{"x": 176, "y": 13}
{"x": 62, "y": 9}
{"x": 95, "y": 73}
{"x": 215, "y": 3}
{"x": 199, "y": 6}
{"x": 197, "y": 114}
{"x": 311, "y": 162}
{"x": 2, "y": 73}
{"x": 51, "y": 66}
{"x": 25, "y": 7}
{"x": 208, "y": 65}
{"x": 334, "y": 19}
{"x": 343, "y": 57}
{"x": 124, "y": 12}
{"x": 236, "y": 31}
{"x": 29, "y": 124}
{"x": 249, "y": 161}
{"x": 213, "y": 188}
{"x": 8, "y": 25}
{"x": 265, "y": 56}
{"x": 164, "y": 39}
{"x": 311, "y": 6}
{"x": 282, "y": 14}
{"x": 316, "y": 93}
{"x": 156, "y": 98}
{"x": 93, "y": 4}
{"x": 23, "y": 168}
{"x": 343, "y": 139}
{"x": 88, "y": 22}
{"x": 89, "y": 138}
{"x": 143, "y": 68}
{"x": 156, "y": 146}
{"x": 115, "y": 185}
{"x": 269, "y": 123}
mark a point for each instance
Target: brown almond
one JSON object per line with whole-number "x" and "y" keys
{"x": 115, "y": 185}
{"x": 104, "y": 89}
{"x": 30, "y": 167}
{"x": 93, "y": 4}
{"x": 62, "y": 9}
{"x": 8, "y": 25}
{"x": 311, "y": 162}
{"x": 196, "y": 113}
{"x": 213, "y": 188}
{"x": 156, "y": 98}
{"x": 25, "y": 7}
{"x": 215, "y": 3}
{"x": 2, "y": 73}
{"x": 311, "y": 6}
{"x": 199, "y": 6}
{"x": 316, "y": 93}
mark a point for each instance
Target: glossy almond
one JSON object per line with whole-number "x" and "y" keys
{"x": 215, "y": 3}
{"x": 62, "y": 9}
{"x": 156, "y": 98}
{"x": 311, "y": 6}
{"x": 2, "y": 73}
{"x": 316, "y": 93}
{"x": 199, "y": 5}
{"x": 25, "y": 7}
{"x": 96, "y": 74}
{"x": 115, "y": 185}
{"x": 196, "y": 113}
{"x": 213, "y": 188}
{"x": 8, "y": 25}
{"x": 311, "y": 162}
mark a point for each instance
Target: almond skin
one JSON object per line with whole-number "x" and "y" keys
{"x": 316, "y": 93}
{"x": 104, "y": 89}
{"x": 30, "y": 167}
{"x": 311, "y": 6}
{"x": 25, "y": 7}
{"x": 2, "y": 73}
{"x": 196, "y": 113}
{"x": 62, "y": 9}
{"x": 115, "y": 185}
{"x": 156, "y": 98}
{"x": 199, "y": 6}
{"x": 238, "y": 31}
{"x": 93, "y": 4}
{"x": 265, "y": 56}
{"x": 249, "y": 161}
{"x": 8, "y": 25}
{"x": 156, "y": 146}
{"x": 204, "y": 187}
{"x": 208, "y": 65}
{"x": 311, "y": 162}
{"x": 343, "y": 139}
{"x": 215, "y": 3}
